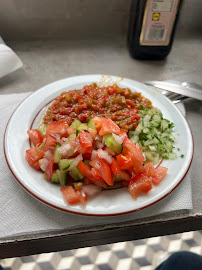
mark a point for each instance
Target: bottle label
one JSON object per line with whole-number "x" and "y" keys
{"x": 158, "y": 21}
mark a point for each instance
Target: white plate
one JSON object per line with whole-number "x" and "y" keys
{"x": 110, "y": 202}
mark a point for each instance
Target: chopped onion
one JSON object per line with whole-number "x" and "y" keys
{"x": 99, "y": 144}
{"x": 75, "y": 162}
{"x": 64, "y": 139}
{"x": 91, "y": 190}
{"x": 138, "y": 146}
{"x": 118, "y": 139}
{"x": 57, "y": 136}
{"x": 76, "y": 148}
{"x": 93, "y": 155}
{"x": 98, "y": 138}
{"x": 44, "y": 164}
{"x": 64, "y": 148}
{"x": 48, "y": 154}
{"x": 104, "y": 155}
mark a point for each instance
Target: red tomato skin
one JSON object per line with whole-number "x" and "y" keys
{"x": 86, "y": 143}
{"x": 35, "y": 136}
{"x": 104, "y": 170}
{"x": 140, "y": 183}
{"x": 50, "y": 142}
{"x": 97, "y": 179}
{"x": 150, "y": 170}
{"x": 87, "y": 181}
{"x": 108, "y": 126}
{"x": 131, "y": 149}
{"x": 161, "y": 172}
{"x": 124, "y": 162}
{"x": 57, "y": 127}
{"x": 92, "y": 175}
{"x": 32, "y": 157}
{"x": 49, "y": 170}
{"x": 118, "y": 172}
{"x": 97, "y": 121}
{"x": 70, "y": 195}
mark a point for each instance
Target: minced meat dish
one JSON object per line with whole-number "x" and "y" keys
{"x": 119, "y": 104}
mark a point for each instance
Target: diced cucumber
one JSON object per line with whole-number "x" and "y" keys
{"x": 55, "y": 178}
{"x": 71, "y": 138}
{"x": 62, "y": 176}
{"x": 91, "y": 124}
{"x": 75, "y": 124}
{"x": 57, "y": 154}
{"x": 154, "y": 134}
{"x": 81, "y": 127}
{"x": 110, "y": 142}
{"x": 76, "y": 174}
{"x": 42, "y": 129}
{"x": 64, "y": 164}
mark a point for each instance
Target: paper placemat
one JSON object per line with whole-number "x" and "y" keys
{"x": 22, "y": 214}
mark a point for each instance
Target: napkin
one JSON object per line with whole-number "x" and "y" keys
{"x": 22, "y": 214}
{"x": 9, "y": 61}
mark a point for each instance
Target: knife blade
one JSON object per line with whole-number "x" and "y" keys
{"x": 175, "y": 88}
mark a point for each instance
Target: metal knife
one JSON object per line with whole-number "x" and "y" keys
{"x": 175, "y": 88}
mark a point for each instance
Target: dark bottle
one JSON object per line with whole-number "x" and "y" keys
{"x": 151, "y": 28}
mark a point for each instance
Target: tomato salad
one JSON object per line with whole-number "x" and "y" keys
{"x": 85, "y": 158}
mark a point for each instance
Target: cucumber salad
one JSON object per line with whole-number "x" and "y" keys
{"x": 86, "y": 158}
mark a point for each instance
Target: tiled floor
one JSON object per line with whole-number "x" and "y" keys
{"x": 133, "y": 255}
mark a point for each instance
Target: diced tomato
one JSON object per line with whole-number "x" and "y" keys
{"x": 82, "y": 196}
{"x": 92, "y": 175}
{"x": 161, "y": 172}
{"x": 87, "y": 181}
{"x": 50, "y": 142}
{"x": 71, "y": 131}
{"x": 125, "y": 162}
{"x": 121, "y": 175}
{"x": 97, "y": 179}
{"x": 70, "y": 195}
{"x": 97, "y": 121}
{"x": 85, "y": 141}
{"x": 108, "y": 126}
{"x": 102, "y": 167}
{"x": 35, "y": 136}
{"x": 33, "y": 156}
{"x": 138, "y": 168}
{"x": 140, "y": 183}
{"x": 150, "y": 171}
{"x": 123, "y": 133}
{"x": 57, "y": 127}
{"x": 84, "y": 169}
{"x": 93, "y": 132}
{"x": 133, "y": 150}
{"x": 49, "y": 170}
